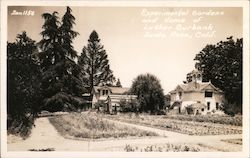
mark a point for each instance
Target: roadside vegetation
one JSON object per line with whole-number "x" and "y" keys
{"x": 166, "y": 148}
{"x": 221, "y": 119}
{"x": 180, "y": 124}
{"x": 233, "y": 141}
{"x": 92, "y": 126}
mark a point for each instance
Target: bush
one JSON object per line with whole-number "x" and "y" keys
{"x": 20, "y": 126}
{"x": 231, "y": 108}
{"x": 100, "y": 106}
{"x": 129, "y": 106}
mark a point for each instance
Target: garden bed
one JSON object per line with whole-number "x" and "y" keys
{"x": 92, "y": 126}
{"x": 179, "y": 125}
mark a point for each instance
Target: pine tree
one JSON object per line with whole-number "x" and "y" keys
{"x": 68, "y": 20}
{"x": 95, "y": 64}
{"x": 118, "y": 83}
{"x": 60, "y": 82}
{"x": 73, "y": 82}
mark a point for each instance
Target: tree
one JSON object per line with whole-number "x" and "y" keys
{"x": 149, "y": 91}
{"x": 222, "y": 64}
{"x": 60, "y": 74}
{"x": 118, "y": 83}
{"x": 23, "y": 80}
{"x": 95, "y": 64}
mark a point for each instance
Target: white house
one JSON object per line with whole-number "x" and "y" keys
{"x": 197, "y": 96}
{"x": 111, "y": 97}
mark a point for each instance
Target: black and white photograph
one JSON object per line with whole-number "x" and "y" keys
{"x": 127, "y": 79}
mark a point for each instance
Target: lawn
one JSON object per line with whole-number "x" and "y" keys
{"x": 92, "y": 126}
{"x": 233, "y": 141}
{"x": 181, "y": 125}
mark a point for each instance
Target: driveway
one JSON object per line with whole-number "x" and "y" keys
{"x": 44, "y": 136}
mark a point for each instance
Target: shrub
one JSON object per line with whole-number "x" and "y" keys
{"x": 129, "y": 106}
{"x": 164, "y": 148}
{"x": 231, "y": 108}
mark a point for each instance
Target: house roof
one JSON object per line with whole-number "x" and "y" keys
{"x": 114, "y": 90}
{"x": 195, "y": 87}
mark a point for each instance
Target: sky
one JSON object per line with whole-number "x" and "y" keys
{"x": 134, "y": 49}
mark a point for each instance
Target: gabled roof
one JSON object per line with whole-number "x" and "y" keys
{"x": 114, "y": 90}
{"x": 195, "y": 87}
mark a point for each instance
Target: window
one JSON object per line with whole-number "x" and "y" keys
{"x": 217, "y": 106}
{"x": 208, "y": 105}
{"x": 103, "y": 92}
{"x": 208, "y": 94}
{"x": 107, "y": 92}
{"x": 202, "y": 109}
{"x": 180, "y": 95}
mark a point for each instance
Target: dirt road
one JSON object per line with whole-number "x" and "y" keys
{"x": 45, "y": 136}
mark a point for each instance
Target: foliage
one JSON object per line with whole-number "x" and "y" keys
{"x": 118, "y": 83}
{"x": 181, "y": 126}
{"x": 95, "y": 64}
{"x": 129, "y": 105}
{"x": 23, "y": 87}
{"x": 233, "y": 141}
{"x": 167, "y": 101}
{"x": 149, "y": 91}
{"x": 165, "y": 148}
{"x": 222, "y": 64}
{"x": 225, "y": 120}
{"x": 90, "y": 125}
{"x": 61, "y": 82}
{"x": 100, "y": 105}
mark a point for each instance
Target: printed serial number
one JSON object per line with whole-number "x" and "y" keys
{"x": 23, "y": 13}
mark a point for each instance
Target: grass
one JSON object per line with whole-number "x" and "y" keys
{"x": 166, "y": 148}
{"x": 91, "y": 126}
{"x": 179, "y": 125}
{"x": 226, "y": 120}
{"x": 233, "y": 141}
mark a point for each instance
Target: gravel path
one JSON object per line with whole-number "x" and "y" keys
{"x": 44, "y": 136}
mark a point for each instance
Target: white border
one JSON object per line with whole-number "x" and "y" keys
{"x": 246, "y": 109}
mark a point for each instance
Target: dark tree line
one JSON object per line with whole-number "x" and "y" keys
{"x": 222, "y": 64}
{"x": 23, "y": 84}
{"x": 45, "y": 75}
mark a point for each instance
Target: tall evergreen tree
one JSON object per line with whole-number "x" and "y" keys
{"x": 95, "y": 64}
{"x": 60, "y": 81}
{"x": 68, "y": 20}
{"x": 72, "y": 82}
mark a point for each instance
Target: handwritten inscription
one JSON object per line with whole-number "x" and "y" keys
{"x": 183, "y": 23}
{"x": 23, "y": 13}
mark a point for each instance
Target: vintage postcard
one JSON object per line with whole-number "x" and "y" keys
{"x": 124, "y": 79}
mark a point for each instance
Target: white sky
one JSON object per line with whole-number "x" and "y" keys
{"x": 121, "y": 32}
